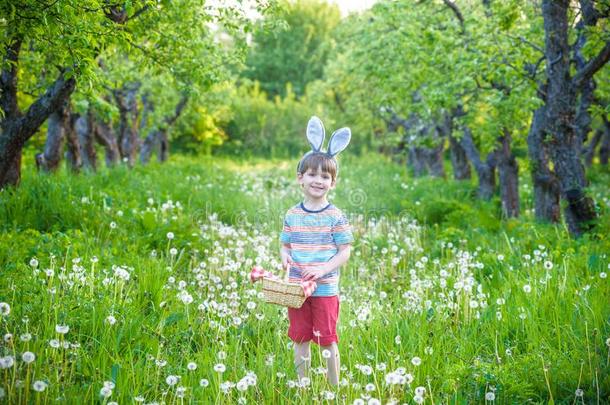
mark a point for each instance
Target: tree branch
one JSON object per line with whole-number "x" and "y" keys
{"x": 592, "y": 66}
{"x": 457, "y": 13}
{"x": 40, "y": 109}
{"x": 8, "y": 79}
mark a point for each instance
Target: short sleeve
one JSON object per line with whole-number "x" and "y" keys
{"x": 342, "y": 231}
{"x": 285, "y": 234}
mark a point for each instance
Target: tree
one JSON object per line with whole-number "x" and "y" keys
{"x": 296, "y": 50}
{"x": 71, "y": 35}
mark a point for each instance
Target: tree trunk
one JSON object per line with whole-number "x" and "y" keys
{"x": 486, "y": 171}
{"x": 128, "y": 129}
{"x": 589, "y": 150}
{"x": 104, "y": 134}
{"x": 85, "y": 132}
{"x": 434, "y": 160}
{"x": 546, "y": 185}
{"x": 459, "y": 161}
{"x": 561, "y": 98}
{"x": 151, "y": 142}
{"x": 604, "y": 150}
{"x": 416, "y": 160}
{"x": 15, "y": 127}
{"x": 508, "y": 174}
{"x": 57, "y": 123}
{"x": 73, "y": 155}
{"x": 163, "y": 147}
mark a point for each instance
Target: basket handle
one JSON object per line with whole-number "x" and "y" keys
{"x": 287, "y": 272}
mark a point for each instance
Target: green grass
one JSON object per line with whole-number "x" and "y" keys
{"x": 530, "y": 321}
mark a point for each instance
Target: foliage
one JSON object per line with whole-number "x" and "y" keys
{"x": 296, "y": 50}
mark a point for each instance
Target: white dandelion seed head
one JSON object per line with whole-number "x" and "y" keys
{"x": 62, "y": 329}
{"x": 33, "y": 262}
{"x": 39, "y": 386}
{"x": 416, "y": 361}
{"x": 527, "y": 288}
{"x": 418, "y": 399}
{"x": 203, "y": 383}
{"x": 220, "y": 368}
{"x": 28, "y": 357}
{"x": 106, "y": 392}
{"x": 5, "y": 309}
{"x": 326, "y": 353}
{"x": 490, "y": 396}
{"x": 192, "y": 366}
{"x": 172, "y": 379}
{"x": 110, "y": 320}
{"x": 548, "y": 264}
{"x": 26, "y": 337}
{"x": 369, "y": 387}
{"x": 579, "y": 393}
{"x": 113, "y": 225}
{"x": 173, "y": 251}
{"x": 420, "y": 391}
{"x": 603, "y": 275}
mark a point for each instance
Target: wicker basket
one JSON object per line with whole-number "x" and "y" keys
{"x": 283, "y": 293}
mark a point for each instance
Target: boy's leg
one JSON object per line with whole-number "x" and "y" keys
{"x": 300, "y": 332}
{"x": 302, "y": 359}
{"x": 325, "y": 311}
{"x": 332, "y": 363}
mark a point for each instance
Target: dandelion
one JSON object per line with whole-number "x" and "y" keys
{"x": 39, "y": 386}
{"x": 105, "y": 392}
{"x": 397, "y": 339}
{"x": 416, "y": 361}
{"x": 109, "y": 384}
{"x": 548, "y": 265}
{"x": 603, "y": 275}
{"x": 420, "y": 391}
{"x": 242, "y": 385}
{"x": 326, "y": 353}
{"x": 173, "y": 251}
{"x": 110, "y": 320}
{"x": 5, "y": 309}
{"x": 527, "y": 288}
{"x": 192, "y": 366}
{"x": 358, "y": 401}
{"x": 221, "y": 355}
{"x": 220, "y": 368}
{"x": 418, "y": 399}
{"x": 172, "y": 379}
{"x": 203, "y": 383}
{"x": 28, "y": 357}
{"x": 500, "y": 258}
{"x": 305, "y": 382}
{"x": 6, "y": 362}
{"x": 374, "y": 401}
{"x": 170, "y": 235}
{"x": 26, "y": 337}
{"x": 113, "y": 225}
{"x": 180, "y": 391}
{"x": 33, "y": 262}
{"x": 62, "y": 329}
{"x": 369, "y": 387}
{"x": 139, "y": 398}
{"x": 579, "y": 393}
{"x": 8, "y": 337}
{"x": 329, "y": 395}
{"x": 490, "y": 396}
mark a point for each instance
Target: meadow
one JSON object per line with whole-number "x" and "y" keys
{"x": 131, "y": 286}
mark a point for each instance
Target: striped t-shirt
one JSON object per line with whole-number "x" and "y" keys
{"x": 313, "y": 237}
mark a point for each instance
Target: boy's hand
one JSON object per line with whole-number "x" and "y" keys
{"x": 286, "y": 261}
{"x": 313, "y": 274}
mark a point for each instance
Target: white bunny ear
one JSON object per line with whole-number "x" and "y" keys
{"x": 339, "y": 141}
{"x": 315, "y": 133}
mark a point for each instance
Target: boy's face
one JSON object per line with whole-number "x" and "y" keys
{"x": 315, "y": 183}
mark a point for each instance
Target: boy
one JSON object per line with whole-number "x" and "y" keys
{"x": 316, "y": 241}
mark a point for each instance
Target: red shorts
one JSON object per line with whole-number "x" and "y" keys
{"x": 316, "y": 320}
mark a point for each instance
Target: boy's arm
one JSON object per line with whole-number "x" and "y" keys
{"x": 342, "y": 256}
{"x": 285, "y": 255}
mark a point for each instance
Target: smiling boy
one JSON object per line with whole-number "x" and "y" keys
{"x": 316, "y": 241}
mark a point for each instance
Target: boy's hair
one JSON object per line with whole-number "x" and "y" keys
{"x": 316, "y": 160}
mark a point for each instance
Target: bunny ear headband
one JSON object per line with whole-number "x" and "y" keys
{"x": 316, "y": 134}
